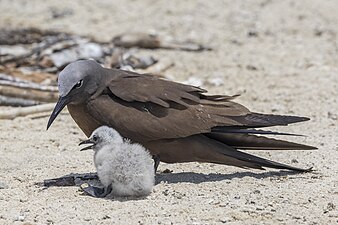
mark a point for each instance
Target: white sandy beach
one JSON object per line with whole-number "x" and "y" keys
{"x": 281, "y": 56}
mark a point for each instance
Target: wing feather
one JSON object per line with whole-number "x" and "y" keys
{"x": 146, "y": 107}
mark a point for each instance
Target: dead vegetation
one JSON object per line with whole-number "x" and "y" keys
{"x": 31, "y": 58}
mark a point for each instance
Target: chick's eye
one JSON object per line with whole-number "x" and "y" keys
{"x": 78, "y": 84}
{"x": 95, "y": 138}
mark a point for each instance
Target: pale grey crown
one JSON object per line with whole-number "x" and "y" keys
{"x": 106, "y": 135}
{"x": 74, "y": 72}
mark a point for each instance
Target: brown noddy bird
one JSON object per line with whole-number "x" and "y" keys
{"x": 176, "y": 122}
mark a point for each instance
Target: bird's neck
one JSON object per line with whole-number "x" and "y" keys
{"x": 82, "y": 118}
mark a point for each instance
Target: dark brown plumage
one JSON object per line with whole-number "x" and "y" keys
{"x": 176, "y": 122}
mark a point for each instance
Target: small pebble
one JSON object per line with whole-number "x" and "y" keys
{"x": 294, "y": 161}
{"x": 252, "y": 33}
{"x": 225, "y": 220}
{"x": 3, "y": 185}
{"x": 256, "y": 191}
{"x": 332, "y": 116}
{"x": 166, "y": 192}
{"x": 251, "y": 67}
{"x": 330, "y": 206}
{"x": 210, "y": 201}
{"x": 167, "y": 171}
{"x": 178, "y": 195}
{"x": 19, "y": 218}
{"x": 223, "y": 204}
{"x": 260, "y": 208}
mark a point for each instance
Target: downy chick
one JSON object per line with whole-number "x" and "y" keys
{"x": 124, "y": 168}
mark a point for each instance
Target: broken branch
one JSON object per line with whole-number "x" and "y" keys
{"x": 151, "y": 41}
{"x": 28, "y": 85}
{"x": 28, "y": 93}
{"x": 16, "y": 112}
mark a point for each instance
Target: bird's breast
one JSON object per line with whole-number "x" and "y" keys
{"x": 83, "y": 119}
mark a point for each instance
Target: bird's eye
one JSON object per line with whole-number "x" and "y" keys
{"x": 95, "y": 138}
{"x": 78, "y": 84}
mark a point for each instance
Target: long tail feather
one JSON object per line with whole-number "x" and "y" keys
{"x": 252, "y": 161}
{"x": 252, "y": 142}
{"x": 249, "y": 131}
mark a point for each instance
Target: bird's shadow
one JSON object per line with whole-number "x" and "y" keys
{"x": 197, "y": 178}
{"x": 77, "y": 179}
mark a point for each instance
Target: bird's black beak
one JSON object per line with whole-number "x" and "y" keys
{"x": 87, "y": 142}
{"x": 62, "y": 102}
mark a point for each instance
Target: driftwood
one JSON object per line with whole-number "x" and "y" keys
{"x": 24, "y": 36}
{"x": 143, "y": 40}
{"x": 30, "y": 59}
{"x": 157, "y": 68}
{"x": 28, "y": 85}
{"x": 36, "y": 50}
{"x": 14, "y": 101}
{"x": 16, "y": 112}
{"x": 26, "y": 92}
{"x": 142, "y": 62}
{"x": 19, "y": 92}
{"x": 14, "y": 74}
{"x": 10, "y": 78}
{"x": 50, "y": 49}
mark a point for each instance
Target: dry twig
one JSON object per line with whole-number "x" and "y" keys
{"x": 13, "y": 101}
{"x": 143, "y": 40}
{"x": 16, "y": 112}
{"x": 28, "y": 93}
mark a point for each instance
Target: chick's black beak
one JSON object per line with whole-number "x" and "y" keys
{"x": 87, "y": 142}
{"x": 62, "y": 102}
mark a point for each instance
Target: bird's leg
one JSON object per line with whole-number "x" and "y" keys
{"x": 97, "y": 192}
{"x": 107, "y": 191}
{"x": 156, "y": 159}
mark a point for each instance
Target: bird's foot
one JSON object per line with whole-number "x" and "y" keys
{"x": 156, "y": 159}
{"x": 98, "y": 192}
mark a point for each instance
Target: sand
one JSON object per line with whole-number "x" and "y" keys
{"x": 281, "y": 56}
